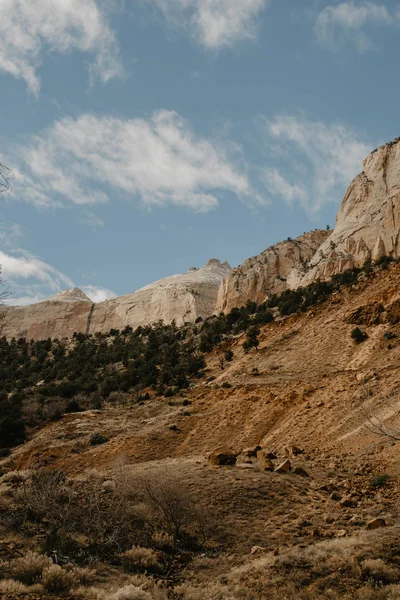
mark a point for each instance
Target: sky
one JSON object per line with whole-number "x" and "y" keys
{"x": 145, "y": 137}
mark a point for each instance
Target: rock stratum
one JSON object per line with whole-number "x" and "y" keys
{"x": 278, "y": 268}
{"x": 368, "y": 221}
{"x": 182, "y": 298}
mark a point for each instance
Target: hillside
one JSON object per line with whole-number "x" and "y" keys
{"x": 309, "y": 394}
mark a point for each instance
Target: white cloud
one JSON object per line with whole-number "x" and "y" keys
{"x": 321, "y": 158}
{"x": 214, "y": 23}
{"x": 25, "y": 266}
{"x": 159, "y": 160}
{"x": 345, "y": 23}
{"x": 29, "y": 280}
{"x": 278, "y": 185}
{"x": 98, "y": 294}
{"x": 30, "y": 28}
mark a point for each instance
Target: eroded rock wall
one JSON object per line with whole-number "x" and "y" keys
{"x": 278, "y": 268}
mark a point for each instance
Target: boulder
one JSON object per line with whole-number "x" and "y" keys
{"x": 301, "y": 472}
{"x": 251, "y": 452}
{"x": 222, "y": 457}
{"x": 263, "y": 454}
{"x": 266, "y": 464}
{"x": 376, "y": 523}
{"x": 284, "y": 467}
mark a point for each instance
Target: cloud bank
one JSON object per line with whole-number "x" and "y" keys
{"x": 322, "y": 158}
{"x": 29, "y": 29}
{"x": 345, "y": 23}
{"x": 214, "y": 24}
{"x": 157, "y": 160}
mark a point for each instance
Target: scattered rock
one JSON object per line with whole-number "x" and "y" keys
{"x": 97, "y": 438}
{"x": 341, "y": 533}
{"x": 284, "y": 467}
{"x": 301, "y": 472}
{"x": 257, "y": 550}
{"x": 266, "y": 464}
{"x": 222, "y": 457}
{"x": 335, "y": 496}
{"x": 376, "y": 523}
{"x": 251, "y": 452}
{"x": 348, "y": 502}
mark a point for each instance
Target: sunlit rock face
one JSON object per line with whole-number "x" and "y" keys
{"x": 180, "y": 298}
{"x": 278, "y": 268}
{"x": 368, "y": 221}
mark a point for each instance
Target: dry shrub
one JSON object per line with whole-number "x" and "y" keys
{"x": 379, "y": 571}
{"x": 56, "y": 580}
{"x": 10, "y": 586}
{"x": 211, "y": 591}
{"x": 163, "y": 541}
{"x": 82, "y": 576}
{"x": 131, "y": 592}
{"x": 139, "y": 560}
{"x": 29, "y": 568}
{"x": 393, "y": 592}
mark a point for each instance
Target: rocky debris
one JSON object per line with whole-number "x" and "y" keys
{"x": 301, "y": 472}
{"x": 284, "y": 467}
{"x": 368, "y": 221}
{"x": 222, "y": 457}
{"x": 251, "y": 452}
{"x": 266, "y": 464}
{"x": 335, "y": 496}
{"x": 180, "y": 298}
{"x": 262, "y": 454}
{"x": 257, "y": 550}
{"x": 368, "y": 314}
{"x": 278, "y": 268}
{"x": 96, "y": 439}
{"x": 293, "y": 451}
{"x": 376, "y": 523}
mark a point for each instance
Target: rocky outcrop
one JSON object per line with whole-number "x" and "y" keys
{"x": 278, "y": 268}
{"x": 181, "y": 298}
{"x": 368, "y": 221}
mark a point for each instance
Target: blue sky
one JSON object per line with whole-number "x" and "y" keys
{"x": 147, "y": 136}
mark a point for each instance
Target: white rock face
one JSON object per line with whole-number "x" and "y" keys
{"x": 278, "y": 268}
{"x": 368, "y": 221}
{"x": 182, "y": 298}
{"x": 179, "y": 298}
{"x": 72, "y": 295}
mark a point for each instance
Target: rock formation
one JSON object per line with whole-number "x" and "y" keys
{"x": 182, "y": 298}
{"x": 368, "y": 221}
{"x": 278, "y": 268}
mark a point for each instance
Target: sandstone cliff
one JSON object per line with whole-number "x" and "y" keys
{"x": 368, "y": 221}
{"x": 182, "y": 298}
{"x": 278, "y": 268}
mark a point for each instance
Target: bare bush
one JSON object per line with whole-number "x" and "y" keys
{"x": 29, "y": 568}
{"x": 163, "y": 541}
{"x": 139, "y": 560}
{"x": 103, "y": 521}
{"x": 131, "y": 592}
{"x": 57, "y": 580}
{"x": 379, "y": 571}
{"x": 10, "y": 586}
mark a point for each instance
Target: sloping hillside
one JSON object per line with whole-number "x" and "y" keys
{"x": 310, "y": 394}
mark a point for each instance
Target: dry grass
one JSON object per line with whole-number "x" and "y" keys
{"x": 139, "y": 560}
{"x": 29, "y": 568}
